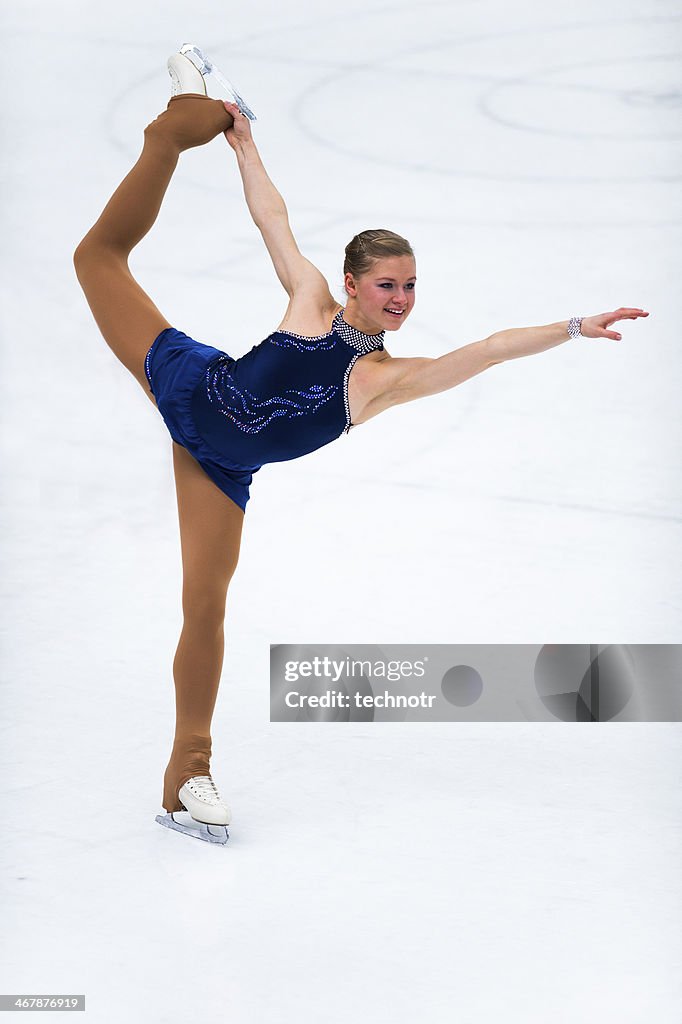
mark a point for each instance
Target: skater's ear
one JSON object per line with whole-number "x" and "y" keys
{"x": 350, "y": 285}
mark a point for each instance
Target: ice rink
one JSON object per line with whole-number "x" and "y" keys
{"x": 501, "y": 873}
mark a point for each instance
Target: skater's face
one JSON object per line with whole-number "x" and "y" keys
{"x": 389, "y": 285}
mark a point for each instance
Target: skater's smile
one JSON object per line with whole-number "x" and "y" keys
{"x": 382, "y": 299}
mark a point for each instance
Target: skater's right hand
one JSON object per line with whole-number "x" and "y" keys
{"x": 240, "y": 132}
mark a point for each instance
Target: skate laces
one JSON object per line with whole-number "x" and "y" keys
{"x": 204, "y": 788}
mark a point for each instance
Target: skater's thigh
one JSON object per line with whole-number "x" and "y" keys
{"x": 210, "y": 536}
{"x": 126, "y": 316}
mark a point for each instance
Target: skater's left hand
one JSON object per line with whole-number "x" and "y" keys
{"x": 596, "y": 326}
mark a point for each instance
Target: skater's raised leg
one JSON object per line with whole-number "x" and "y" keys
{"x": 126, "y": 316}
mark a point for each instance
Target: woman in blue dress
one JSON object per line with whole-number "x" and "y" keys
{"x": 321, "y": 373}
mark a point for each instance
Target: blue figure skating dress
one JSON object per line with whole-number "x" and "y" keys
{"x": 285, "y": 398}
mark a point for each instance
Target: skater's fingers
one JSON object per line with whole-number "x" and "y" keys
{"x": 241, "y": 125}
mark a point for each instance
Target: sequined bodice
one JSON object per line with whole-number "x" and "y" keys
{"x": 286, "y": 397}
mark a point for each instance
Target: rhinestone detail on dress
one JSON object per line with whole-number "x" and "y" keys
{"x": 251, "y": 414}
{"x": 363, "y": 343}
{"x": 283, "y": 339}
{"x": 346, "y": 378}
{"x": 351, "y": 335}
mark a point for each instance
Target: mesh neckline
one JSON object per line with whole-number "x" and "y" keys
{"x": 355, "y": 338}
{"x": 378, "y": 337}
{"x": 351, "y": 335}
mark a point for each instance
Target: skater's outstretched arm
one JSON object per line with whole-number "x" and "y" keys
{"x": 407, "y": 379}
{"x": 269, "y": 212}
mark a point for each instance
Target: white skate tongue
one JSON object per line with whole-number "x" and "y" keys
{"x": 207, "y": 789}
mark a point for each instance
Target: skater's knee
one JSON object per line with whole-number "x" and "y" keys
{"x": 84, "y": 258}
{"x": 82, "y": 253}
{"x": 204, "y": 609}
{"x": 90, "y": 252}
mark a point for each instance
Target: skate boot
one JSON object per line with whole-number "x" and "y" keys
{"x": 208, "y": 814}
{"x": 189, "y": 69}
{"x": 201, "y": 798}
{"x": 185, "y": 76}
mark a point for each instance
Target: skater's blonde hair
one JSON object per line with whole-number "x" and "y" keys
{"x": 365, "y": 249}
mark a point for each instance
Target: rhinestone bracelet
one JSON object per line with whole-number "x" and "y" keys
{"x": 574, "y": 327}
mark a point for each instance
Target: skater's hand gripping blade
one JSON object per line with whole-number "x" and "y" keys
{"x": 198, "y": 830}
{"x": 206, "y": 67}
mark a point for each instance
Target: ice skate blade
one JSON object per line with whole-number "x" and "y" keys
{"x": 200, "y": 830}
{"x": 204, "y": 66}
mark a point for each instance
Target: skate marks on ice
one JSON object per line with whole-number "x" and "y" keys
{"x": 587, "y": 94}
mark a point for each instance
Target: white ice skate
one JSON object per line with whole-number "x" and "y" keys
{"x": 208, "y": 814}
{"x": 189, "y": 69}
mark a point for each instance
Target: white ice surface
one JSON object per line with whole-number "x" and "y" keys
{"x": 518, "y": 873}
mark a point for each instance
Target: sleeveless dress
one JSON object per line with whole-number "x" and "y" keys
{"x": 284, "y": 398}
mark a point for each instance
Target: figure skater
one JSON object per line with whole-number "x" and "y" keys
{"x": 324, "y": 371}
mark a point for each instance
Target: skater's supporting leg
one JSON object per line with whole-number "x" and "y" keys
{"x": 126, "y": 316}
{"x": 210, "y": 534}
